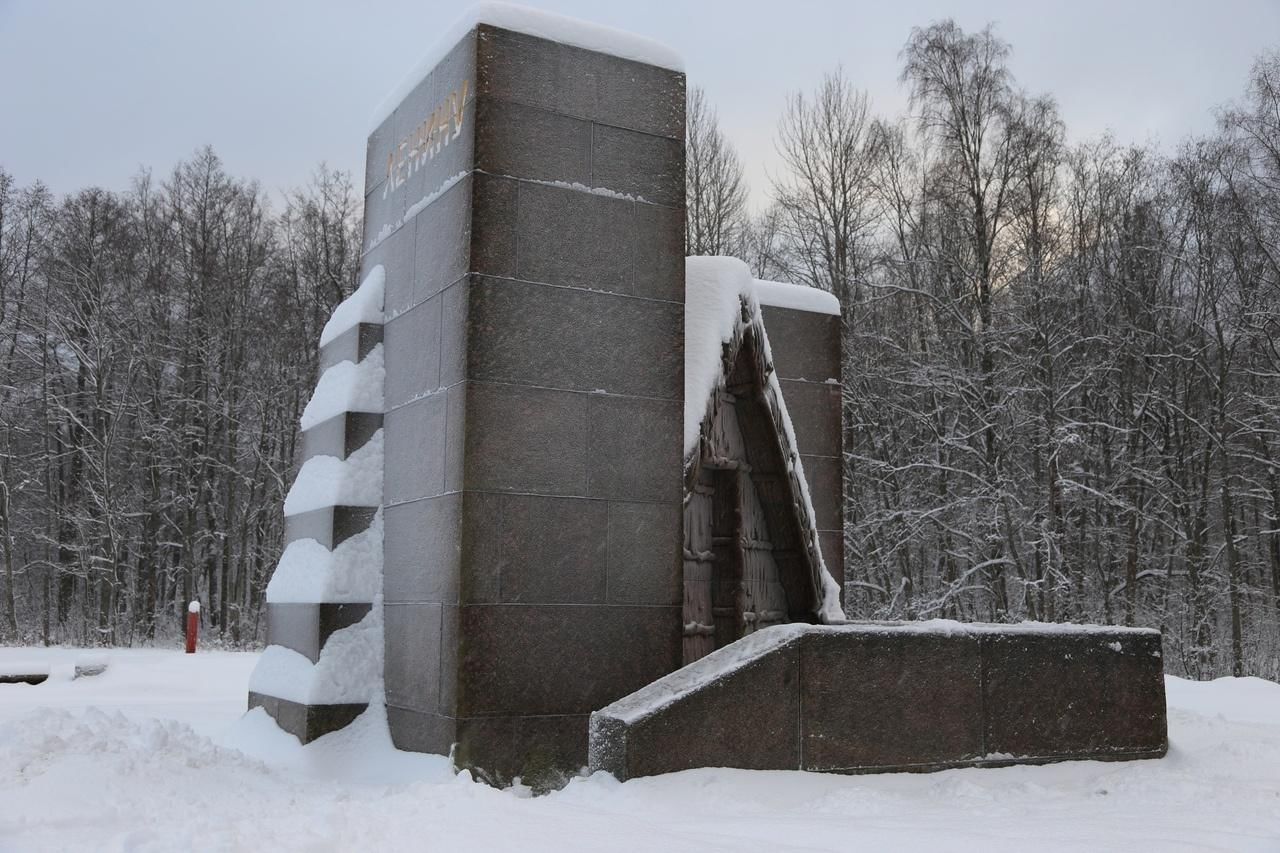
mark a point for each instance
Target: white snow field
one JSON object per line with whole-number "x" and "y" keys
{"x": 157, "y": 754}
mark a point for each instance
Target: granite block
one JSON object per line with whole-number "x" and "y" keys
{"x": 558, "y": 337}
{"x": 805, "y": 345}
{"x": 526, "y": 142}
{"x": 523, "y": 439}
{"x": 644, "y": 554}
{"x": 648, "y": 168}
{"x": 635, "y": 449}
{"x": 544, "y": 659}
{"x": 412, "y": 655}
{"x": 413, "y": 345}
{"x": 415, "y": 450}
{"x": 422, "y": 544}
{"x": 890, "y": 700}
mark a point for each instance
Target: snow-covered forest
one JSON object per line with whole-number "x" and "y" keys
{"x": 1062, "y": 385}
{"x": 157, "y": 347}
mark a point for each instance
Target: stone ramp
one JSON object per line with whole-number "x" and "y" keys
{"x": 894, "y": 697}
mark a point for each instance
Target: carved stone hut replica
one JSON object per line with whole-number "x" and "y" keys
{"x": 757, "y": 549}
{"x": 547, "y": 465}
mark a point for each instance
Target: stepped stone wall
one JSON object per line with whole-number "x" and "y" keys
{"x": 305, "y": 627}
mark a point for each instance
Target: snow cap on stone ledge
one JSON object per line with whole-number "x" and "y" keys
{"x": 362, "y": 306}
{"x": 347, "y": 387}
{"x": 798, "y": 297}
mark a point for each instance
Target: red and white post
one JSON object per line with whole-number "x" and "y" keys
{"x": 193, "y": 626}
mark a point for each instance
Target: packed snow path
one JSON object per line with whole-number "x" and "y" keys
{"x": 155, "y": 755}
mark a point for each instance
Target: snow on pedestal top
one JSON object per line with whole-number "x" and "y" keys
{"x": 362, "y": 306}
{"x": 533, "y": 22}
{"x": 309, "y": 573}
{"x": 326, "y": 481}
{"x": 347, "y": 387}
{"x": 777, "y": 294}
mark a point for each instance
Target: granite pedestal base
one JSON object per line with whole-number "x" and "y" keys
{"x": 880, "y": 698}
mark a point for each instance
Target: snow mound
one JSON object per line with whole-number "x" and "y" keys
{"x": 347, "y": 387}
{"x": 30, "y": 743}
{"x": 361, "y": 752}
{"x": 533, "y": 22}
{"x": 350, "y": 665}
{"x": 362, "y": 306}
{"x": 282, "y": 673}
{"x": 1248, "y": 699}
{"x": 309, "y": 573}
{"x": 207, "y": 776}
{"x": 326, "y": 481}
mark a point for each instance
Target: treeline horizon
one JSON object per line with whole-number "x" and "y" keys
{"x": 1061, "y": 375}
{"x": 1061, "y": 381}
{"x": 157, "y": 347}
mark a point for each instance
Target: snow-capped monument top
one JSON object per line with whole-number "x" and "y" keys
{"x": 534, "y": 22}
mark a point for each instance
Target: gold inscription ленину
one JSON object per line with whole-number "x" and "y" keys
{"x": 425, "y": 141}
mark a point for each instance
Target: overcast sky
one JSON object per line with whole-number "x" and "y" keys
{"x": 90, "y": 90}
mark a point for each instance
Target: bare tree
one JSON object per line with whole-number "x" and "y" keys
{"x": 961, "y": 93}
{"x": 824, "y": 190}
{"x": 715, "y": 192}
{"x": 763, "y": 246}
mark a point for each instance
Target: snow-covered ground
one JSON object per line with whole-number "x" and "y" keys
{"x": 156, "y": 754}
